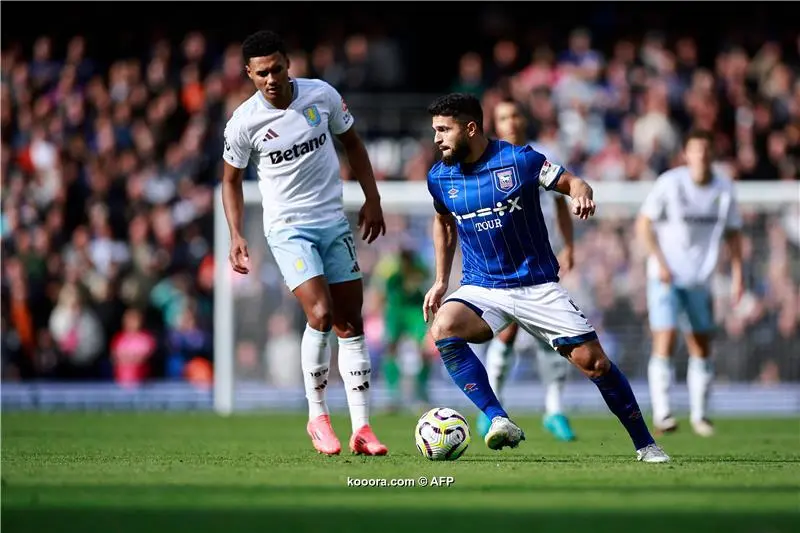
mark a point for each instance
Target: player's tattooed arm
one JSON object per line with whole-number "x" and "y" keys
{"x": 233, "y": 204}
{"x": 445, "y": 238}
{"x": 581, "y": 193}
{"x": 370, "y": 218}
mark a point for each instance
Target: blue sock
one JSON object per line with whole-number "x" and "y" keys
{"x": 470, "y": 375}
{"x": 619, "y": 397}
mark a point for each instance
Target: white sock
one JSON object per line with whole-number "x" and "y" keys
{"x": 315, "y": 358}
{"x": 552, "y": 398}
{"x": 498, "y": 360}
{"x": 660, "y": 374}
{"x": 699, "y": 375}
{"x": 355, "y": 368}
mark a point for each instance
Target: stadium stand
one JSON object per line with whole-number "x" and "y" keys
{"x": 111, "y": 149}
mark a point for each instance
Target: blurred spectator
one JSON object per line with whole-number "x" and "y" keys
{"x": 77, "y": 332}
{"x": 539, "y": 73}
{"x": 186, "y": 341}
{"x": 283, "y": 345}
{"x": 131, "y": 350}
{"x": 470, "y": 75}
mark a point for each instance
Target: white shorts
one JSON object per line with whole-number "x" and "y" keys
{"x": 545, "y": 311}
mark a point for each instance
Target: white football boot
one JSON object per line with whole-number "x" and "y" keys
{"x": 503, "y": 432}
{"x": 652, "y": 453}
{"x": 703, "y": 427}
{"x": 668, "y": 424}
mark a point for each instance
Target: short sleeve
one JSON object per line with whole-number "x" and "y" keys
{"x": 440, "y": 207}
{"x": 734, "y": 219}
{"x": 340, "y": 119}
{"x": 237, "y": 147}
{"x": 545, "y": 172}
{"x": 655, "y": 203}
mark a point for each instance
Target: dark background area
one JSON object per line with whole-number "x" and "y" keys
{"x": 432, "y": 33}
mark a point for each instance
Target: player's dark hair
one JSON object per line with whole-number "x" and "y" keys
{"x": 262, "y": 43}
{"x": 703, "y": 135}
{"x": 461, "y": 106}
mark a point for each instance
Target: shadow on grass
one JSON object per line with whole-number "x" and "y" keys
{"x": 333, "y": 520}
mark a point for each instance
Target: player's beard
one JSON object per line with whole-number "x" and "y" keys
{"x": 458, "y": 153}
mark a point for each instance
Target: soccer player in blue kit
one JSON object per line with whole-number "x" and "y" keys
{"x": 486, "y": 193}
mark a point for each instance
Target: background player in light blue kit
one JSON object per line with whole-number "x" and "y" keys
{"x": 691, "y": 210}
{"x": 486, "y": 192}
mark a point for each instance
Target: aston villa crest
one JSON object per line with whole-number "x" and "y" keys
{"x": 312, "y": 116}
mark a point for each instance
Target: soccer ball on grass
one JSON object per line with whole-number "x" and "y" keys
{"x": 442, "y": 434}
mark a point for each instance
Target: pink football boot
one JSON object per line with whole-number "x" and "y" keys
{"x": 365, "y": 442}
{"x": 322, "y": 436}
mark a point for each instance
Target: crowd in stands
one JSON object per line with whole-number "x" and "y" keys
{"x": 108, "y": 172}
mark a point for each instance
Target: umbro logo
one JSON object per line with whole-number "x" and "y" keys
{"x": 453, "y": 193}
{"x": 270, "y": 135}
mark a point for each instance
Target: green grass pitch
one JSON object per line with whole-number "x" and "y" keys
{"x": 198, "y": 473}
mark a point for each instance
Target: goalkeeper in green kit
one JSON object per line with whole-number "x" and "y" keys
{"x": 403, "y": 280}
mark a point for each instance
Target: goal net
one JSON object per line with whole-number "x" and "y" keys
{"x": 258, "y": 324}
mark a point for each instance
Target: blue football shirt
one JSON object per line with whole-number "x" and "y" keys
{"x": 495, "y": 202}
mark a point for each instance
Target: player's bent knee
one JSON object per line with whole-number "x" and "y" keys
{"x": 443, "y": 327}
{"x": 590, "y": 359}
{"x": 320, "y": 317}
{"x": 699, "y": 344}
{"x": 349, "y": 328}
{"x": 456, "y": 320}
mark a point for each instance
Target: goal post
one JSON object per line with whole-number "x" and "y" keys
{"x": 257, "y": 372}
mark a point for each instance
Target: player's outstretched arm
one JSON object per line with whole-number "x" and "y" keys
{"x": 370, "y": 218}
{"x": 581, "y": 193}
{"x": 445, "y": 238}
{"x": 566, "y": 259}
{"x": 233, "y": 204}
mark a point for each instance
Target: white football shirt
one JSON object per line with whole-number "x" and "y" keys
{"x": 296, "y": 161}
{"x": 690, "y": 222}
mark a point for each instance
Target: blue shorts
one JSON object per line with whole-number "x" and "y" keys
{"x": 688, "y": 307}
{"x": 303, "y": 253}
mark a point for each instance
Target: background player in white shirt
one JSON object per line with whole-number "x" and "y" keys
{"x": 285, "y": 130}
{"x": 511, "y": 125}
{"x": 690, "y": 210}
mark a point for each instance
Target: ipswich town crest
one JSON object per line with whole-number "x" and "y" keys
{"x": 505, "y": 179}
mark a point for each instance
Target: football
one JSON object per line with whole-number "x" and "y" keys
{"x": 442, "y": 434}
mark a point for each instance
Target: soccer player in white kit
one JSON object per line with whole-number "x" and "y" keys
{"x": 510, "y": 125}
{"x": 285, "y": 129}
{"x": 683, "y": 221}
